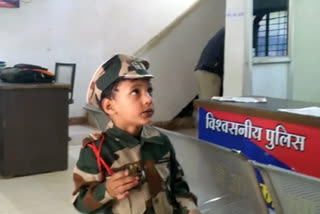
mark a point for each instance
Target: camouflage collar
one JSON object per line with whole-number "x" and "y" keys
{"x": 148, "y": 135}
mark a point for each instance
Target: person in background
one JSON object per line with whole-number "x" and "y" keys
{"x": 209, "y": 70}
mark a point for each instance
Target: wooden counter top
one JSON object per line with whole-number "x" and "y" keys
{"x": 10, "y": 86}
{"x": 267, "y": 110}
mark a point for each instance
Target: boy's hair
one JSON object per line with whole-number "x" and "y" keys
{"x": 110, "y": 91}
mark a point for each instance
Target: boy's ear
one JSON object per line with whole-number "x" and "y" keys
{"x": 107, "y": 106}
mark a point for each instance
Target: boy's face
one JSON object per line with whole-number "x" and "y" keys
{"x": 132, "y": 104}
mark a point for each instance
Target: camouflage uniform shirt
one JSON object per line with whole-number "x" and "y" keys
{"x": 164, "y": 190}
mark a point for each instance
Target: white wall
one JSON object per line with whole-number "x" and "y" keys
{"x": 266, "y": 76}
{"x": 306, "y": 55}
{"x": 296, "y": 76}
{"x": 270, "y": 80}
{"x": 174, "y": 57}
{"x": 236, "y": 56}
{"x": 85, "y": 32}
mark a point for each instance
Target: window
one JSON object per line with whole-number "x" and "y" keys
{"x": 270, "y": 28}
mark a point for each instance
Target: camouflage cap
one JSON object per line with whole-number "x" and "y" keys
{"x": 118, "y": 66}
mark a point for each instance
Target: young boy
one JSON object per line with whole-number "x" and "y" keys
{"x": 131, "y": 167}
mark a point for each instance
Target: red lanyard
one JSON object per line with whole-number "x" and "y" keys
{"x": 100, "y": 160}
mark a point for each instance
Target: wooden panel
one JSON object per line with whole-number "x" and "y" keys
{"x": 35, "y": 136}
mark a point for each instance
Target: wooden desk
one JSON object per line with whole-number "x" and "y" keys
{"x": 34, "y": 128}
{"x": 263, "y": 133}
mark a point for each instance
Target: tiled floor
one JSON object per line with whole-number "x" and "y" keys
{"x": 47, "y": 193}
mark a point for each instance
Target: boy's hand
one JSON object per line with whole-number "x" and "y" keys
{"x": 194, "y": 212}
{"x": 120, "y": 183}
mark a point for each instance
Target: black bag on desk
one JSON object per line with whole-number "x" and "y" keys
{"x": 26, "y": 73}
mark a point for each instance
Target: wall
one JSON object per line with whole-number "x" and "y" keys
{"x": 306, "y": 44}
{"x": 244, "y": 75}
{"x": 236, "y": 55}
{"x": 86, "y": 32}
{"x": 174, "y": 53}
{"x": 294, "y": 77}
{"x": 270, "y": 80}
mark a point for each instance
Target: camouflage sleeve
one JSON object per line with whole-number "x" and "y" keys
{"x": 90, "y": 194}
{"x": 186, "y": 199}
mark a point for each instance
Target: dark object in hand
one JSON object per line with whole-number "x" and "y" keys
{"x": 136, "y": 171}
